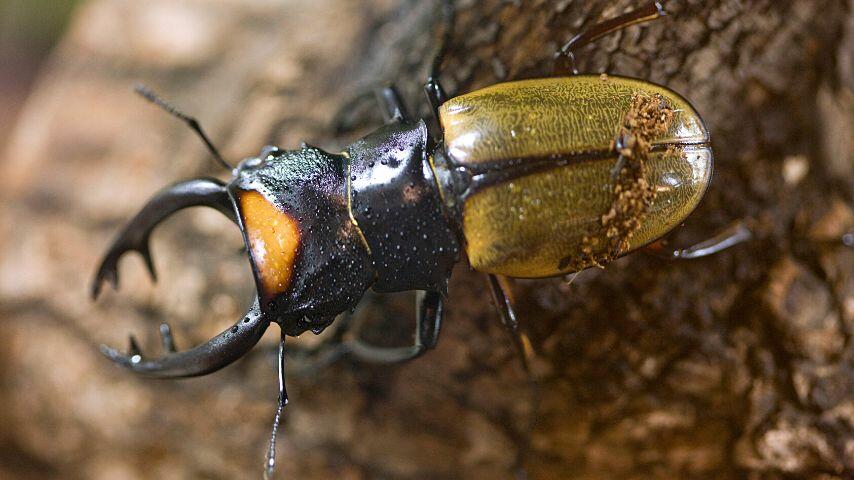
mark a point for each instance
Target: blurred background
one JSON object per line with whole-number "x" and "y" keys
{"x": 28, "y": 31}
{"x": 732, "y": 367}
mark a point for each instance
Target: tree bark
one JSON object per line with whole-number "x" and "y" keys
{"x": 734, "y": 366}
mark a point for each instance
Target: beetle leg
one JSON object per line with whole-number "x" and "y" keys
{"x": 651, "y": 11}
{"x": 504, "y": 307}
{"x": 499, "y": 289}
{"x": 353, "y": 113}
{"x": 436, "y": 94}
{"x": 305, "y": 362}
{"x": 201, "y": 191}
{"x": 732, "y": 235}
{"x": 392, "y": 106}
{"x": 356, "y": 111}
{"x": 218, "y": 352}
{"x": 428, "y": 323}
{"x": 346, "y": 339}
{"x": 449, "y": 14}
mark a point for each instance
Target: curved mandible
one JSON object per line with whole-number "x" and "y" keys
{"x": 218, "y": 352}
{"x": 209, "y": 192}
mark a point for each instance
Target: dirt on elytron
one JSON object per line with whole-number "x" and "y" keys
{"x": 648, "y": 117}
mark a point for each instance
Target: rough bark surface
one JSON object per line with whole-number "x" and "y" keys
{"x": 736, "y": 366}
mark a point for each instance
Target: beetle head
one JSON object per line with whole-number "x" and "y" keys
{"x": 308, "y": 257}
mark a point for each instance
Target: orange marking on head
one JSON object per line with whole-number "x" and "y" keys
{"x": 273, "y": 237}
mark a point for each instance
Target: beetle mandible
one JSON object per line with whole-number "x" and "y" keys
{"x": 531, "y": 178}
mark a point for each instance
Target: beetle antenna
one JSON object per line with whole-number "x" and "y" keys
{"x": 650, "y": 11}
{"x": 449, "y": 14}
{"x": 270, "y": 460}
{"x": 152, "y": 97}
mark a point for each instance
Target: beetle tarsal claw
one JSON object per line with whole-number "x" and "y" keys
{"x": 218, "y": 352}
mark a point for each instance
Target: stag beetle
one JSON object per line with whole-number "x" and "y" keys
{"x": 531, "y": 178}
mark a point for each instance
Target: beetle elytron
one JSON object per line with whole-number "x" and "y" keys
{"x": 521, "y": 177}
